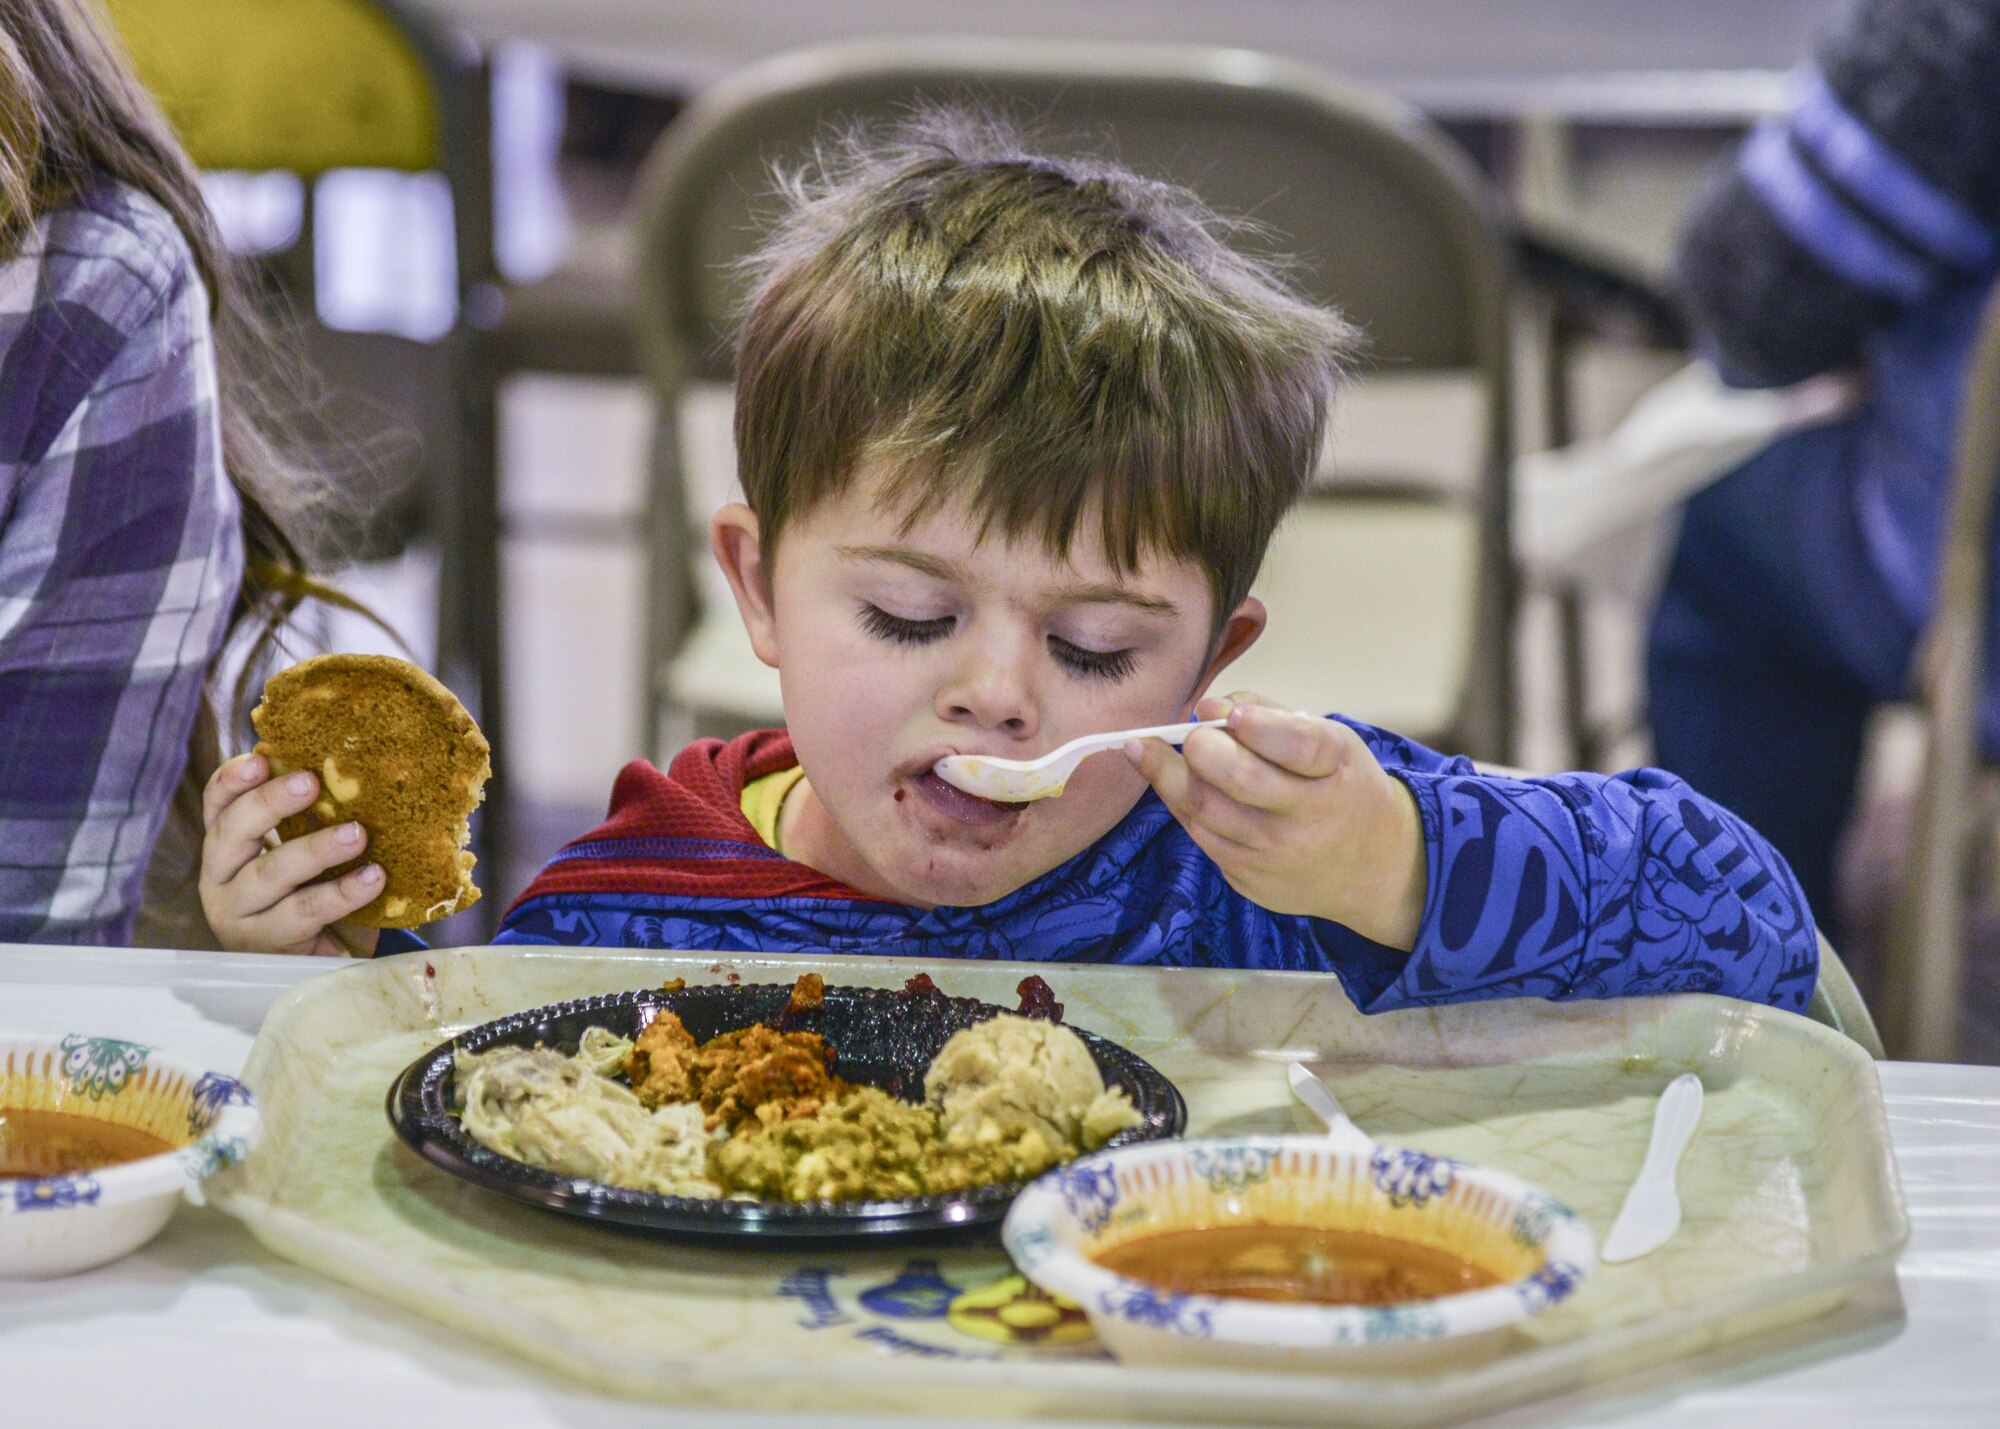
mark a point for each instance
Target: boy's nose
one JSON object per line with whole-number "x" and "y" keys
{"x": 990, "y": 694}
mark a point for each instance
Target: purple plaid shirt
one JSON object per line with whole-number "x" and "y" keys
{"x": 120, "y": 556}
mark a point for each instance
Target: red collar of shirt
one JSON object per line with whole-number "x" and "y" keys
{"x": 683, "y": 833}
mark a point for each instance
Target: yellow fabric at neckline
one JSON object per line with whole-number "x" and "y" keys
{"x": 764, "y": 796}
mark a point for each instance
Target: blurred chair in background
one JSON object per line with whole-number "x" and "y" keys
{"x": 1391, "y": 599}
{"x": 1601, "y": 515}
{"x": 1954, "y": 809}
{"x": 1837, "y": 1003}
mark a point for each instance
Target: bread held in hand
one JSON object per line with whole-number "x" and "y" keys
{"x": 395, "y": 752}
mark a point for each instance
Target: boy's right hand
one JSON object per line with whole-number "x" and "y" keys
{"x": 263, "y": 900}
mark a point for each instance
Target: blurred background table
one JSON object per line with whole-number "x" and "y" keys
{"x": 205, "y": 1323}
{"x": 1599, "y": 56}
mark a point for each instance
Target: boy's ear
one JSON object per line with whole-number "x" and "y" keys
{"x": 1239, "y": 633}
{"x": 736, "y": 539}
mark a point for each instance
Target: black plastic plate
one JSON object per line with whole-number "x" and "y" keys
{"x": 880, "y": 1036}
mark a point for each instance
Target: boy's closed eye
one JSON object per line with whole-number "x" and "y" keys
{"x": 1114, "y": 664}
{"x": 903, "y": 630}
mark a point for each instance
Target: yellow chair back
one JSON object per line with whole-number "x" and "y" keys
{"x": 301, "y": 85}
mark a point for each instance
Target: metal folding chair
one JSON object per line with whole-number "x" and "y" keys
{"x": 1923, "y": 980}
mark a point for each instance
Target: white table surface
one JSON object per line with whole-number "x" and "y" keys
{"x": 1608, "y": 59}
{"x": 204, "y": 1326}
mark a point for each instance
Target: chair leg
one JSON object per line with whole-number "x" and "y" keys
{"x": 485, "y": 630}
{"x": 1922, "y": 981}
{"x": 469, "y": 658}
{"x": 1572, "y": 636}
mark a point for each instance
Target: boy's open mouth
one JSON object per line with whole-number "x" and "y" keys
{"x": 966, "y": 808}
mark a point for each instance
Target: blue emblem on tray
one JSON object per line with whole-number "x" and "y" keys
{"x": 919, "y": 1293}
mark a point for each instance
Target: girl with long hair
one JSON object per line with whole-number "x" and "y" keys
{"x": 148, "y": 514}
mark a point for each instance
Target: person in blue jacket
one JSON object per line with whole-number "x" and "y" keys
{"x": 1860, "y": 232}
{"x": 1014, "y": 434}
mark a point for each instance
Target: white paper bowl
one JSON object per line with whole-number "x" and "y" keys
{"x": 56, "y": 1224}
{"x": 1535, "y": 1244}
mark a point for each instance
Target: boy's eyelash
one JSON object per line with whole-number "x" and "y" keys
{"x": 884, "y": 626}
{"x": 1093, "y": 664}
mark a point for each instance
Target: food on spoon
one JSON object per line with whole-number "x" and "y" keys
{"x": 394, "y": 752}
{"x": 565, "y": 1115}
{"x": 1018, "y": 1080}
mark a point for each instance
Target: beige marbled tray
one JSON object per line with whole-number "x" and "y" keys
{"x": 1790, "y": 1188}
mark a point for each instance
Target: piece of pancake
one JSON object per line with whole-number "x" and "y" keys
{"x": 396, "y": 753}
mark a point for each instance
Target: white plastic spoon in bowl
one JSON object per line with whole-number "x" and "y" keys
{"x": 1318, "y": 1098}
{"x": 1021, "y": 781}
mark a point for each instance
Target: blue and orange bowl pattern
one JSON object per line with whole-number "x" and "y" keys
{"x": 66, "y": 1220}
{"x": 1531, "y": 1242}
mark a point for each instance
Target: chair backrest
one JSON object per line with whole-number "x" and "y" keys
{"x": 1384, "y": 217}
{"x": 312, "y": 85}
{"x": 1837, "y": 1002}
{"x": 1924, "y": 975}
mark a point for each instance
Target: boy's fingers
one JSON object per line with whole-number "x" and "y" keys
{"x": 237, "y": 835}
{"x": 1301, "y": 744}
{"x": 236, "y": 777}
{"x": 273, "y": 874}
{"x": 302, "y": 916}
{"x": 1214, "y": 757}
{"x": 1190, "y": 799}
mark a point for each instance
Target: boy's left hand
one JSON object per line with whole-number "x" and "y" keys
{"x": 1298, "y": 815}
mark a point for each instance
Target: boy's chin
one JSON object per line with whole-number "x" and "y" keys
{"x": 967, "y": 882}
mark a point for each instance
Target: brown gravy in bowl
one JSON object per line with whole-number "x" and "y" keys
{"x": 1297, "y": 1263}
{"x": 54, "y": 1143}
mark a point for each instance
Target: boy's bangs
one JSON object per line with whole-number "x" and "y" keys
{"x": 1052, "y": 344}
{"x": 1146, "y": 495}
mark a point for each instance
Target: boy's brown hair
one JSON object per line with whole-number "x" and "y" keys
{"x": 1034, "y": 335}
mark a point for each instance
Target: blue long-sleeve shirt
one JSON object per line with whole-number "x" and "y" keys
{"x": 1577, "y": 885}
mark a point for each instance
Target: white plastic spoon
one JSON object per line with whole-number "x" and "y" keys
{"x": 1318, "y": 1098}
{"x": 1652, "y": 1209}
{"x": 1020, "y": 781}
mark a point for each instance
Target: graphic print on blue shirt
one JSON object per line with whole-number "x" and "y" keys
{"x": 1573, "y": 886}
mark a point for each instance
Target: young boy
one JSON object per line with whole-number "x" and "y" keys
{"x": 1014, "y": 434}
